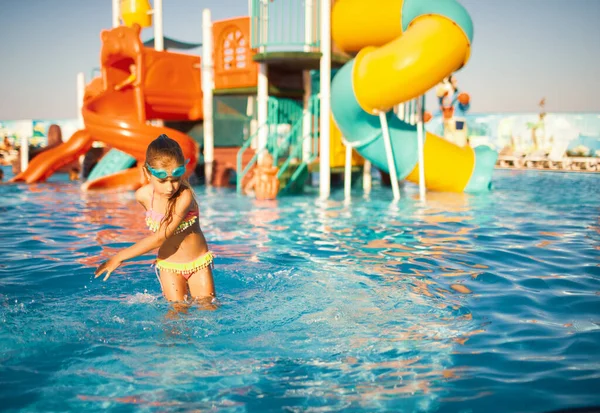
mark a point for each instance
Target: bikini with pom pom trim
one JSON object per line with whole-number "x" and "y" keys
{"x": 187, "y": 269}
{"x": 153, "y": 219}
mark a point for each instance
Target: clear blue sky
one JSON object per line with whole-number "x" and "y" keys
{"x": 523, "y": 50}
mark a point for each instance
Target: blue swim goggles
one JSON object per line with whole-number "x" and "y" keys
{"x": 162, "y": 174}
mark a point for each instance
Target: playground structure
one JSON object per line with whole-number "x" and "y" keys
{"x": 136, "y": 85}
{"x": 453, "y": 105}
{"x": 396, "y": 63}
{"x": 273, "y": 95}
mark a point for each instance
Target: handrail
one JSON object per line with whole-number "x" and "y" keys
{"x": 296, "y": 145}
{"x": 303, "y": 164}
{"x": 242, "y": 172}
{"x": 280, "y": 112}
{"x": 293, "y": 148}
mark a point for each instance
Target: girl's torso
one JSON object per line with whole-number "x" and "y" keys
{"x": 188, "y": 242}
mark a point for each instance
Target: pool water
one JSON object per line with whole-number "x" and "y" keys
{"x": 485, "y": 303}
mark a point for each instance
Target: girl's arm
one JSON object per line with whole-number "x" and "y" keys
{"x": 151, "y": 242}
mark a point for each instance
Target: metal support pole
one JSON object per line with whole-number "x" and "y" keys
{"x": 306, "y": 117}
{"x": 308, "y": 24}
{"x": 401, "y": 111}
{"x": 325, "y": 67}
{"x": 420, "y": 145}
{"x": 348, "y": 173}
{"x": 159, "y": 43}
{"x": 159, "y": 39}
{"x": 263, "y": 107}
{"x": 207, "y": 95}
{"x": 389, "y": 155}
{"x": 24, "y": 152}
{"x": 367, "y": 177}
{"x": 262, "y": 87}
{"x": 116, "y": 13}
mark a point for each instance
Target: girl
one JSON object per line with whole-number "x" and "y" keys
{"x": 184, "y": 261}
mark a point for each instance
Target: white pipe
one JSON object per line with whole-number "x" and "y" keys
{"x": 367, "y": 177}
{"x": 308, "y": 24}
{"x": 252, "y": 124}
{"x": 264, "y": 25}
{"x": 348, "y": 173}
{"x": 307, "y": 117}
{"x": 116, "y": 13}
{"x": 159, "y": 39}
{"x": 325, "y": 67}
{"x": 262, "y": 87}
{"x": 24, "y": 152}
{"x": 262, "y": 99}
{"x": 401, "y": 111}
{"x": 159, "y": 43}
{"x": 207, "y": 95}
{"x": 389, "y": 155}
{"x": 80, "y": 94}
{"x": 420, "y": 146}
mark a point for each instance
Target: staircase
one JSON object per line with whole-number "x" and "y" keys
{"x": 292, "y": 140}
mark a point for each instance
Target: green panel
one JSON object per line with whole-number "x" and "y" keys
{"x": 231, "y": 123}
{"x": 113, "y": 161}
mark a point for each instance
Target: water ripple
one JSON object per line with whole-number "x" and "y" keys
{"x": 465, "y": 303}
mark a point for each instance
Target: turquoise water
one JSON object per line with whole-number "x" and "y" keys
{"x": 466, "y": 304}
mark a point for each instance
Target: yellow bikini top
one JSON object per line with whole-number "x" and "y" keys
{"x": 153, "y": 219}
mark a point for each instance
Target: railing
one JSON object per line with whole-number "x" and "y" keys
{"x": 285, "y": 25}
{"x": 304, "y": 128}
{"x": 241, "y": 171}
{"x": 282, "y": 115}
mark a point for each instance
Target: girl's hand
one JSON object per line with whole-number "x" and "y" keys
{"x": 108, "y": 267}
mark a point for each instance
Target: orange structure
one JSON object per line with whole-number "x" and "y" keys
{"x": 235, "y": 73}
{"x": 137, "y": 84}
{"x": 234, "y": 66}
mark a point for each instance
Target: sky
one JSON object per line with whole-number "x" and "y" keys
{"x": 523, "y": 50}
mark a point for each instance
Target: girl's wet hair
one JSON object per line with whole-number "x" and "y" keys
{"x": 160, "y": 152}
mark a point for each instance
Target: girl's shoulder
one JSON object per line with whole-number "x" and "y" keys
{"x": 188, "y": 198}
{"x": 143, "y": 194}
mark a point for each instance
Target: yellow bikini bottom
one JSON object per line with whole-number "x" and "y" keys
{"x": 186, "y": 268}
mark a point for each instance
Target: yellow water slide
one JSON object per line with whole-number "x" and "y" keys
{"x": 404, "y": 48}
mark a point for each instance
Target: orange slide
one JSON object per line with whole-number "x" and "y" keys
{"x": 137, "y": 84}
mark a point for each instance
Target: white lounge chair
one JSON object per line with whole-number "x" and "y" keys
{"x": 557, "y": 158}
{"x": 510, "y": 159}
{"x": 583, "y": 163}
{"x": 535, "y": 159}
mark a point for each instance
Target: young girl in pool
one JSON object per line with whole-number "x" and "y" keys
{"x": 184, "y": 263}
